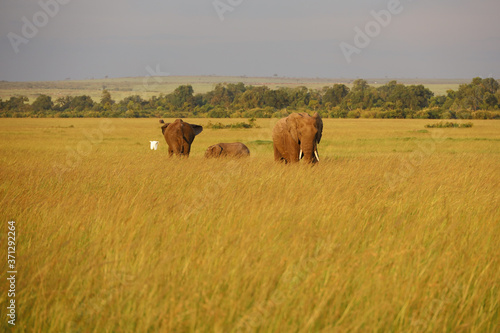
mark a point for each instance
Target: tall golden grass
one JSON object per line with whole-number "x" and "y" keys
{"x": 396, "y": 229}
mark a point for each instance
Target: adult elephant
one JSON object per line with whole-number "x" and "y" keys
{"x": 234, "y": 149}
{"x": 296, "y": 137}
{"x": 179, "y": 136}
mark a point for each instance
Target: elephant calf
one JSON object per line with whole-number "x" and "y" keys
{"x": 235, "y": 149}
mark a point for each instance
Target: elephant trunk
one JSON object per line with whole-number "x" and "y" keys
{"x": 309, "y": 152}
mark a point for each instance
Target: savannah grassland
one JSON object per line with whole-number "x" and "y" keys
{"x": 396, "y": 229}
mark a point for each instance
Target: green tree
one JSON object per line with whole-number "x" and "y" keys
{"x": 80, "y": 103}
{"x": 479, "y": 94}
{"x": 419, "y": 97}
{"x": 360, "y": 85}
{"x": 43, "y": 103}
{"x": 361, "y": 96}
{"x": 183, "y": 97}
{"x": 490, "y": 101}
{"x": 253, "y": 97}
{"x": 490, "y": 85}
{"x": 218, "y": 112}
{"x": 16, "y": 103}
{"x": 221, "y": 95}
{"x": 281, "y": 98}
{"x": 106, "y": 101}
{"x": 334, "y": 95}
{"x": 396, "y": 96}
{"x": 470, "y": 96}
{"x": 298, "y": 97}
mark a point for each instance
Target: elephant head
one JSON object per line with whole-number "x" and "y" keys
{"x": 179, "y": 136}
{"x": 213, "y": 151}
{"x": 296, "y": 137}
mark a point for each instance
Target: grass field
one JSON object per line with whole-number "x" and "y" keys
{"x": 148, "y": 86}
{"x": 396, "y": 229}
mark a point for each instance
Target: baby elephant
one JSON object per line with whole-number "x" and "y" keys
{"x": 235, "y": 149}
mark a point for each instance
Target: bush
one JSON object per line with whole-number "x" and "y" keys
{"x": 463, "y": 114}
{"x": 337, "y": 112}
{"x": 449, "y": 124}
{"x": 353, "y": 114}
{"x": 281, "y": 114}
{"x": 446, "y": 115}
{"x": 422, "y": 114}
{"x": 218, "y": 112}
{"x": 369, "y": 114}
{"x": 251, "y": 124}
{"x": 389, "y": 114}
{"x": 486, "y": 115}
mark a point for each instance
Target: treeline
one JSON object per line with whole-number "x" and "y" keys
{"x": 479, "y": 99}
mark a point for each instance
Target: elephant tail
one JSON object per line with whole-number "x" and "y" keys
{"x": 164, "y": 126}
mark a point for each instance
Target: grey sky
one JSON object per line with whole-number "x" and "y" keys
{"x": 88, "y": 38}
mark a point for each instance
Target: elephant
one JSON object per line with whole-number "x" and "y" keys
{"x": 296, "y": 137}
{"x": 179, "y": 136}
{"x": 234, "y": 149}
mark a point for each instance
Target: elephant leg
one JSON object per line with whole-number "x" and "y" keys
{"x": 293, "y": 151}
{"x": 187, "y": 149}
{"x": 294, "y": 155}
{"x": 277, "y": 155}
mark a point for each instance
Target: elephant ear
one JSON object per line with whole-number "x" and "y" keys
{"x": 213, "y": 151}
{"x": 319, "y": 126}
{"x": 164, "y": 127}
{"x": 217, "y": 150}
{"x": 210, "y": 152}
{"x": 197, "y": 129}
{"x": 291, "y": 124}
